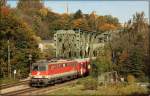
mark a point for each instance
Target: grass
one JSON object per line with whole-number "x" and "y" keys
{"x": 8, "y": 80}
{"x": 122, "y": 90}
{"x": 116, "y": 89}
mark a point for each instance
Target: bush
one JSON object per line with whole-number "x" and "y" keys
{"x": 131, "y": 79}
{"x": 90, "y": 84}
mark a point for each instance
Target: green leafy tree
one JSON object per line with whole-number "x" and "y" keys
{"x": 101, "y": 65}
{"x": 136, "y": 60}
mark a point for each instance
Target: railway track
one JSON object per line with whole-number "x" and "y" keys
{"x": 14, "y": 84}
{"x": 44, "y": 91}
{"x": 17, "y": 92}
{"x": 38, "y": 91}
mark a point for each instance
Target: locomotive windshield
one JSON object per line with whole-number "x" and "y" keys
{"x": 39, "y": 68}
{"x": 35, "y": 68}
{"x": 42, "y": 68}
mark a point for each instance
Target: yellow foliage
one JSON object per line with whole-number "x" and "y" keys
{"x": 107, "y": 26}
{"x": 78, "y": 23}
{"x": 4, "y": 10}
{"x": 43, "y": 11}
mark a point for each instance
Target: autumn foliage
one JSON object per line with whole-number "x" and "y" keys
{"x": 107, "y": 27}
{"x": 5, "y": 10}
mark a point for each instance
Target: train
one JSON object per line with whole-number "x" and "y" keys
{"x": 46, "y": 72}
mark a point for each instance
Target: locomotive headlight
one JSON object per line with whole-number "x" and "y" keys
{"x": 44, "y": 76}
{"x": 89, "y": 66}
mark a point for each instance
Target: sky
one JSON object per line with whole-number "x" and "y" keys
{"x": 123, "y": 10}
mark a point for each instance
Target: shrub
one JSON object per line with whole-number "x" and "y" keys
{"x": 131, "y": 79}
{"x": 90, "y": 84}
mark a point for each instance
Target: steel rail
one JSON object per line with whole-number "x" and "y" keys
{"x": 13, "y": 84}
{"x": 37, "y": 91}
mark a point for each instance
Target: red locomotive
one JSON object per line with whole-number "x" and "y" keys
{"x": 54, "y": 71}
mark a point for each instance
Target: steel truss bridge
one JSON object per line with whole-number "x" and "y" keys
{"x": 80, "y": 43}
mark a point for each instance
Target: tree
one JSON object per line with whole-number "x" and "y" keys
{"x": 22, "y": 43}
{"x": 4, "y": 10}
{"x": 3, "y": 3}
{"x": 78, "y": 14}
{"x": 29, "y": 4}
{"x": 132, "y": 64}
{"x": 133, "y": 43}
{"x": 112, "y": 20}
{"x": 37, "y": 16}
{"x": 107, "y": 27}
{"x": 80, "y": 24}
{"x": 136, "y": 60}
{"x": 102, "y": 63}
{"x": 106, "y": 23}
{"x": 92, "y": 21}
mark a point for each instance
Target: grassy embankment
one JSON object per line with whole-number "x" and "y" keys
{"x": 114, "y": 89}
